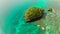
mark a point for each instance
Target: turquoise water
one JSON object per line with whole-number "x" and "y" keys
{"x": 14, "y": 23}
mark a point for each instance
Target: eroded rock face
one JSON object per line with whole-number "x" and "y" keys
{"x": 33, "y": 13}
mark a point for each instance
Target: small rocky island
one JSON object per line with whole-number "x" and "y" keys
{"x": 33, "y": 13}
{"x": 49, "y": 9}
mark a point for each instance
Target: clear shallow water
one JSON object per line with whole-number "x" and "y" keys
{"x": 14, "y": 22}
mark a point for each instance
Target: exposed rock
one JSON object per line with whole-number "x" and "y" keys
{"x": 50, "y": 9}
{"x": 33, "y": 13}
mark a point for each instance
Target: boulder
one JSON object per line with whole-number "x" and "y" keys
{"x": 33, "y": 13}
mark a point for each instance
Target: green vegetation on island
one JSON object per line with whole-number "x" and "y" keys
{"x": 33, "y": 13}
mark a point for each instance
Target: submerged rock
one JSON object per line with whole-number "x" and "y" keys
{"x": 33, "y": 13}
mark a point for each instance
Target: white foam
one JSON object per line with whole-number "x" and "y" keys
{"x": 43, "y": 28}
{"x": 38, "y": 25}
